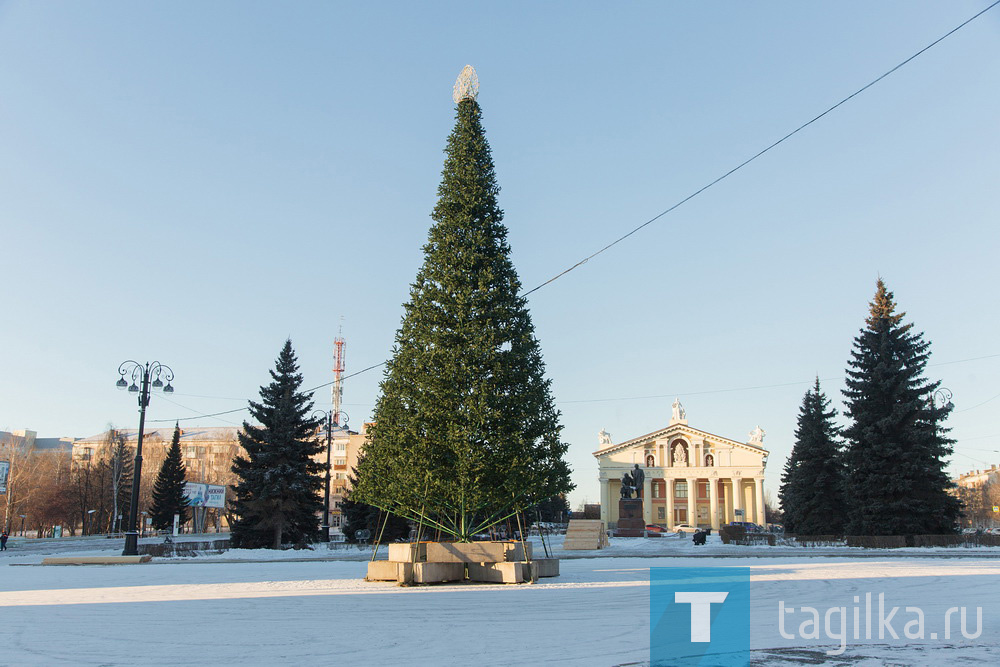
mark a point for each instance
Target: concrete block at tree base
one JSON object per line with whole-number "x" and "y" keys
{"x": 96, "y": 560}
{"x": 434, "y": 573}
{"x": 466, "y": 552}
{"x": 384, "y": 570}
{"x": 547, "y": 567}
{"x": 408, "y": 553}
{"x": 514, "y": 551}
{"x": 503, "y": 573}
{"x": 459, "y": 552}
{"x": 415, "y": 573}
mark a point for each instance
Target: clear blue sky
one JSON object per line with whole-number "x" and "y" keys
{"x": 196, "y": 182}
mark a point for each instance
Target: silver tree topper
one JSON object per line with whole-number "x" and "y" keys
{"x": 466, "y": 85}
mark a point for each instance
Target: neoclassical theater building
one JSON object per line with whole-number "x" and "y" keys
{"x": 689, "y": 476}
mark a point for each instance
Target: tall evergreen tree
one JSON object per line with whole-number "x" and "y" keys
{"x": 359, "y": 516}
{"x": 896, "y": 444}
{"x": 812, "y": 486}
{"x": 121, "y": 464}
{"x": 168, "y": 490}
{"x": 279, "y": 492}
{"x": 465, "y": 429}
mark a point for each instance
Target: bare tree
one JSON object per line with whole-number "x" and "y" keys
{"x": 53, "y": 503}
{"x": 21, "y": 478}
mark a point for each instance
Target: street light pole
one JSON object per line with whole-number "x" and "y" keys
{"x": 325, "y": 526}
{"x": 141, "y": 374}
{"x": 942, "y": 398}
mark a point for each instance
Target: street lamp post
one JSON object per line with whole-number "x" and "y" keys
{"x": 325, "y": 527}
{"x": 142, "y": 374}
{"x": 940, "y": 399}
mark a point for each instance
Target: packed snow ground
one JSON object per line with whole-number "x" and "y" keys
{"x": 276, "y": 611}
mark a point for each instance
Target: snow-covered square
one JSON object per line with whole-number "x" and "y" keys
{"x": 313, "y": 607}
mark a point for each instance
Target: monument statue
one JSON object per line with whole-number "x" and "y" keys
{"x": 627, "y": 486}
{"x": 678, "y": 411}
{"x": 680, "y": 456}
{"x": 638, "y": 478}
{"x": 604, "y": 439}
{"x": 757, "y": 436}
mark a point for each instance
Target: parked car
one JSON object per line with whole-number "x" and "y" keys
{"x": 684, "y": 528}
{"x": 748, "y": 526}
{"x": 651, "y": 528}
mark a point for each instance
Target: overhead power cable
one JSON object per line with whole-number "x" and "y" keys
{"x": 229, "y": 412}
{"x": 680, "y": 203}
{"x": 762, "y": 152}
{"x": 977, "y": 405}
{"x": 697, "y": 393}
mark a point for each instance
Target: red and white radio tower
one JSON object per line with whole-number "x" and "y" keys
{"x": 338, "y": 376}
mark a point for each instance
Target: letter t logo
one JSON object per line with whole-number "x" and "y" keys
{"x": 701, "y": 611}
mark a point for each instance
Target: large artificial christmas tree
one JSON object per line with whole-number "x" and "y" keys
{"x": 465, "y": 432}
{"x": 896, "y": 444}
{"x": 812, "y": 486}
{"x": 278, "y": 498}
{"x": 168, "y": 490}
{"x": 358, "y": 516}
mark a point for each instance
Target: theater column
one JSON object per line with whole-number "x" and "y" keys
{"x": 713, "y": 499}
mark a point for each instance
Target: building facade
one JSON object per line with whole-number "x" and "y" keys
{"x": 344, "y": 451}
{"x": 208, "y": 454}
{"x": 978, "y": 478}
{"x": 689, "y": 476}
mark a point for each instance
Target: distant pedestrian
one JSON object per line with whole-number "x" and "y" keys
{"x": 3, "y": 541}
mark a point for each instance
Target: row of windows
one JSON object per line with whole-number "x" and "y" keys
{"x": 680, "y": 514}
{"x": 709, "y": 460}
{"x": 680, "y": 489}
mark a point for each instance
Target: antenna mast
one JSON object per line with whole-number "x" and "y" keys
{"x": 338, "y": 376}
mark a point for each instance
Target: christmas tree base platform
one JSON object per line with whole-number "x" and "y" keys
{"x": 441, "y": 562}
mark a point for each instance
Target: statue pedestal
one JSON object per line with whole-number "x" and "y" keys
{"x": 630, "y": 521}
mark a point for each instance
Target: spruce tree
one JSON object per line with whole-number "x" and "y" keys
{"x": 278, "y": 498}
{"x": 465, "y": 431}
{"x": 812, "y": 486}
{"x": 121, "y": 464}
{"x": 359, "y": 516}
{"x": 896, "y": 443}
{"x": 168, "y": 490}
